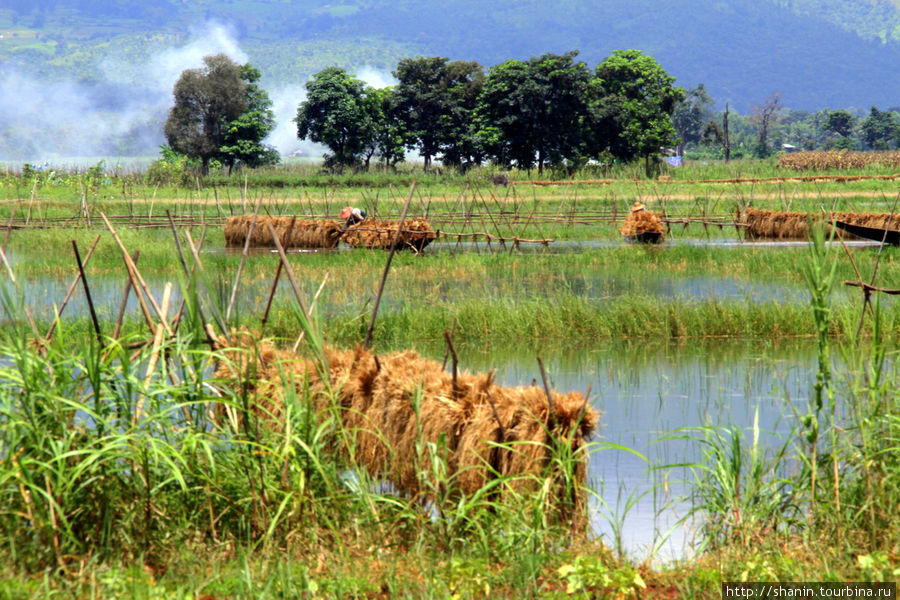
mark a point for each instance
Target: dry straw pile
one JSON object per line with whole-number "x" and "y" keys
{"x": 392, "y": 406}
{"x": 838, "y": 159}
{"x": 771, "y": 224}
{"x": 416, "y": 234}
{"x": 305, "y": 233}
{"x": 642, "y": 221}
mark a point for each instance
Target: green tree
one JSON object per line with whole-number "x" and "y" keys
{"x": 206, "y": 101}
{"x": 388, "y": 133}
{"x": 335, "y": 113}
{"x": 435, "y": 101}
{"x": 840, "y": 122}
{"x": 535, "y": 113}
{"x": 634, "y": 104}
{"x": 692, "y": 116}
{"x": 242, "y": 143}
{"x": 460, "y": 146}
{"x": 881, "y": 129}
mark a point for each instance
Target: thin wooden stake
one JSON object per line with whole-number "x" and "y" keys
{"x": 72, "y": 287}
{"x": 387, "y": 265}
{"x": 287, "y": 268}
{"x": 87, "y": 293}
{"x": 277, "y": 276}
{"x": 124, "y": 304}
{"x": 547, "y": 390}
{"x": 237, "y": 279}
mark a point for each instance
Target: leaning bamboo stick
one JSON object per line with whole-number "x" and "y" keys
{"x": 72, "y": 287}
{"x": 161, "y": 329}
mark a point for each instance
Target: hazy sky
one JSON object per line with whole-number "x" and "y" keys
{"x": 51, "y": 121}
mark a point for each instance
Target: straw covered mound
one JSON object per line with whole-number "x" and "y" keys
{"x": 377, "y": 396}
{"x": 771, "y": 224}
{"x": 305, "y": 233}
{"x": 370, "y": 233}
{"x": 642, "y": 221}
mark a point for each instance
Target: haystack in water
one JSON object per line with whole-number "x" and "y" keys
{"x": 305, "y": 233}
{"x": 642, "y": 225}
{"x": 394, "y": 405}
{"x": 781, "y": 225}
{"x": 416, "y": 234}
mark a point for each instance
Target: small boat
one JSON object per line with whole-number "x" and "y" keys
{"x": 876, "y": 234}
{"x": 646, "y": 237}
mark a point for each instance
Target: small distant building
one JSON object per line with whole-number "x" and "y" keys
{"x": 789, "y": 148}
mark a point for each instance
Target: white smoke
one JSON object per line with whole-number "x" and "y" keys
{"x": 285, "y": 102}
{"x": 121, "y": 115}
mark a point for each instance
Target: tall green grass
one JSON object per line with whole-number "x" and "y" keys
{"x": 121, "y": 474}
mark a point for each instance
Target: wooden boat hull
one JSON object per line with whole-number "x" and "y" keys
{"x": 876, "y": 234}
{"x": 648, "y": 237}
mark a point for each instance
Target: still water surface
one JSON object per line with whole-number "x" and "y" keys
{"x": 648, "y": 391}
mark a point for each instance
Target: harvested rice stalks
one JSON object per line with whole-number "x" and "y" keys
{"x": 416, "y": 234}
{"x": 771, "y": 224}
{"x": 642, "y": 222}
{"x": 393, "y": 405}
{"x": 306, "y": 233}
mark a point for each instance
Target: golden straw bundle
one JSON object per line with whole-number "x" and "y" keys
{"x": 771, "y": 224}
{"x": 306, "y": 233}
{"x": 642, "y": 221}
{"x": 395, "y": 404}
{"x": 416, "y": 234}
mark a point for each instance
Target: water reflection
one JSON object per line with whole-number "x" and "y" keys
{"x": 647, "y": 391}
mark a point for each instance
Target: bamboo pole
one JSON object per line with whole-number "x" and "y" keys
{"x": 72, "y": 287}
{"x": 387, "y": 265}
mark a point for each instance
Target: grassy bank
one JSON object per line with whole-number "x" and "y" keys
{"x": 118, "y": 480}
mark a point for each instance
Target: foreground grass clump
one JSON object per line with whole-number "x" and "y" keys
{"x": 135, "y": 473}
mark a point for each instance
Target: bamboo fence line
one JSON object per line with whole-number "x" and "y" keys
{"x": 668, "y": 180}
{"x": 610, "y": 217}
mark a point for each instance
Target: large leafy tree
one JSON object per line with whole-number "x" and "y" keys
{"x": 335, "y": 113}
{"x": 388, "y": 132}
{"x": 881, "y": 128}
{"x": 242, "y": 143}
{"x": 435, "y": 101}
{"x": 634, "y": 102}
{"x": 534, "y": 113}
{"x": 206, "y": 101}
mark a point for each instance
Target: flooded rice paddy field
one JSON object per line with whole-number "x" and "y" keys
{"x": 646, "y": 391}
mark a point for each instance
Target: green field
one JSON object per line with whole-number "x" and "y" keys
{"x": 117, "y": 480}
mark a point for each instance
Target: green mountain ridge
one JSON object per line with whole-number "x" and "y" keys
{"x": 816, "y": 53}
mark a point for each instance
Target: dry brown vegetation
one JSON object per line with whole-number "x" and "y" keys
{"x": 838, "y": 159}
{"x": 643, "y": 221}
{"x": 394, "y": 405}
{"x": 771, "y": 224}
{"x": 292, "y": 232}
{"x": 416, "y": 234}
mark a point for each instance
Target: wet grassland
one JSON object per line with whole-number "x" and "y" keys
{"x": 120, "y": 478}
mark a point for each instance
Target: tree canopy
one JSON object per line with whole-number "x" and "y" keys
{"x": 638, "y": 97}
{"x": 335, "y": 113}
{"x": 220, "y": 113}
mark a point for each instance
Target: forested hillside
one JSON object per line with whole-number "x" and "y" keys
{"x": 63, "y": 59}
{"x": 817, "y": 52}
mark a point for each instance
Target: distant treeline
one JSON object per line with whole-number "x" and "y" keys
{"x": 549, "y": 111}
{"x": 553, "y": 111}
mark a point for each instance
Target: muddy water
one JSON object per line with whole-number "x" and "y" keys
{"x": 647, "y": 392}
